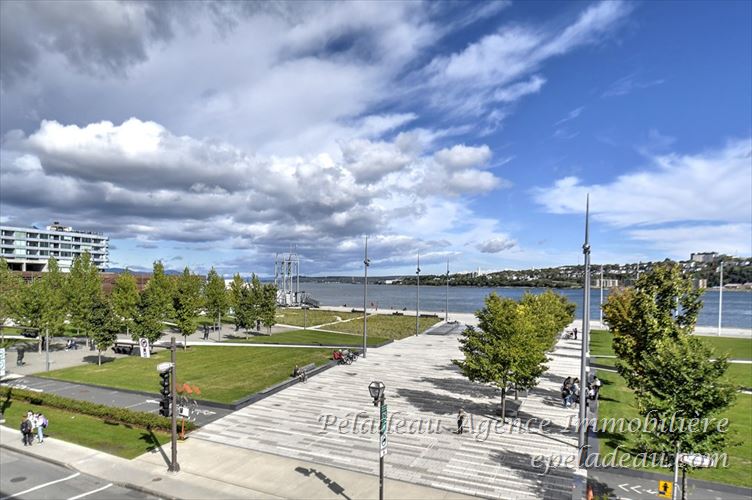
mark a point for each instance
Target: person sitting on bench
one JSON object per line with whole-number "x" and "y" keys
{"x": 299, "y": 373}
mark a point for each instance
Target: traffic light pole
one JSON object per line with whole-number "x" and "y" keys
{"x": 174, "y": 466}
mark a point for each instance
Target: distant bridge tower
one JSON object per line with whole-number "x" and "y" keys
{"x": 287, "y": 279}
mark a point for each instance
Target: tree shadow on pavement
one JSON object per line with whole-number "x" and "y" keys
{"x": 601, "y": 490}
{"x": 463, "y": 386}
{"x": 552, "y": 484}
{"x": 429, "y": 401}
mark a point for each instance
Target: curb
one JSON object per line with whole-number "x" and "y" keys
{"x": 71, "y": 467}
{"x": 710, "y": 485}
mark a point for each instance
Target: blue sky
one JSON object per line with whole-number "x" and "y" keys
{"x": 219, "y": 134}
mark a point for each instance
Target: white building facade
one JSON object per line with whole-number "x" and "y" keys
{"x": 29, "y": 249}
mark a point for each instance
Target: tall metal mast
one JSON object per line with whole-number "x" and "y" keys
{"x": 366, "y": 263}
{"x": 417, "y": 300}
{"x": 585, "y": 338}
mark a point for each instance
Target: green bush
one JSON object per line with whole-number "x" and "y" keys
{"x": 121, "y": 415}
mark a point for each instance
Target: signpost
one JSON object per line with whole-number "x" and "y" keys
{"x": 665, "y": 489}
{"x": 382, "y": 433}
{"x": 143, "y": 345}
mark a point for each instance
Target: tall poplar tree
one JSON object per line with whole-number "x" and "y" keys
{"x": 216, "y": 297}
{"x": 125, "y": 300}
{"x": 106, "y": 325}
{"x": 155, "y": 306}
{"x": 53, "y": 307}
{"x": 187, "y": 302}
{"x": 10, "y": 292}
{"x": 83, "y": 291}
{"x": 236, "y": 298}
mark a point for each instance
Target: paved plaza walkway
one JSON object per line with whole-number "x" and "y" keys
{"x": 425, "y": 391}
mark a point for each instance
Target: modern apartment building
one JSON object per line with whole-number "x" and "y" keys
{"x": 29, "y": 249}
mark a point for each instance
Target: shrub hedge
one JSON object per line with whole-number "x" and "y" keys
{"x": 121, "y": 415}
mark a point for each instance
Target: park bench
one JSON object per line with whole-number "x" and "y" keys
{"x": 123, "y": 347}
{"x": 308, "y": 368}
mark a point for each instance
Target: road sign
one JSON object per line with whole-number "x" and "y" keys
{"x": 383, "y": 419}
{"x": 696, "y": 460}
{"x": 143, "y": 344}
{"x": 382, "y": 450}
{"x": 665, "y": 489}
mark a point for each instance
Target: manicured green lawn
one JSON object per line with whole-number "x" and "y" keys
{"x": 617, "y": 401}
{"x": 314, "y": 317}
{"x": 735, "y": 348}
{"x": 114, "y": 438}
{"x": 610, "y": 362}
{"x": 224, "y": 374}
{"x": 311, "y": 337}
{"x": 740, "y": 374}
{"x": 384, "y": 325}
{"x": 600, "y": 343}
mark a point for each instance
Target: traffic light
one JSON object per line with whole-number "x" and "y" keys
{"x": 164, "y": 403}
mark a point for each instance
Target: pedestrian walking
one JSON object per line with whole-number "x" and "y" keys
{"x": 575, "y": 333}
{"x": 460, "y": 421}
{"x": 19, "y": 360}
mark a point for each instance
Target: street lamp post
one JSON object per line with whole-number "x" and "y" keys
{"x": 446, "y": 307}
{"x": 601, "y": 308}
{"x": 376, "y": 390}
{"x": 720, "y": 303}
{"x": 47, "y": 348}
{"x": 366, "y": 263}
{"x": 417, "y": 300}
{"x": 585, "y": 338}
{"x": 174, "y": 466}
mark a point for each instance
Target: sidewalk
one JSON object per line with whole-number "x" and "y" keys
{"x": 239, "y": 474}
{"x": 148, "y": 477}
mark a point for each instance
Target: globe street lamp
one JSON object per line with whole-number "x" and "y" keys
{"x": 376, "y": 389}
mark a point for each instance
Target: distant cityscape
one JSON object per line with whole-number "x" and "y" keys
{"x": 29, "y": 249}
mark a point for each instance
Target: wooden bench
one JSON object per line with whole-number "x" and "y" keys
{"x": 123, "y": 347}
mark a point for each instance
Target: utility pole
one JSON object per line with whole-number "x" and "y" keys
{"x": 47, "y": 347}
{"x": 417, "y": 300}
{"x": 366, "y": 263}
{"x": 585, "y": 338}
{"x": 720, "y": 303}
{"x": 674, "y": 490}
{"x": 446, "y": 308}
{"x": 174, "y": 466}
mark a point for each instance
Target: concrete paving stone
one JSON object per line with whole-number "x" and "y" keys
{"x": 422, "y": 386}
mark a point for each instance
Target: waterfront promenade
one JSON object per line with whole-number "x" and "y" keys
{"x": 422, "y": 385}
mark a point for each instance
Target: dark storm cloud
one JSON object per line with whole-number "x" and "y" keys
{"x": 102, "y": 38}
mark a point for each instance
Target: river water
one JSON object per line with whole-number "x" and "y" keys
{"x": 737, "y": 306}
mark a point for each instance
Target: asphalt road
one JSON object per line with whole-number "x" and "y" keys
{"x": 25, "y": 477}
{"x": 110, "y": 397}
{"x": 625, "y": 487}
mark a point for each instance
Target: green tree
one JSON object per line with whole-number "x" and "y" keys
{"x": 187, "y": 302}
{"x": 235, "y": 299}
{"x": 216, "y": 296}
{"x": 662, "y": 305}
{"x": 155, "y": 306}
{"x": 10, "y": 293}
{"x": 503, "y": 349}
{"x": 53, "y": 307}
{"x": 83, "y": 290}
{"x": 683, "y": 380}
{"x": 30, "y": 304}
{"x": 105, "y": 323}
{"x": 125, "y": 300}
{"x": 267, "y": 310}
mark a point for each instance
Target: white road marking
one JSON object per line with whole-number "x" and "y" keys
{"x": 622, "y": 486}
{"x": 41, "y": 486}
{"x": 90, "y": 492}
